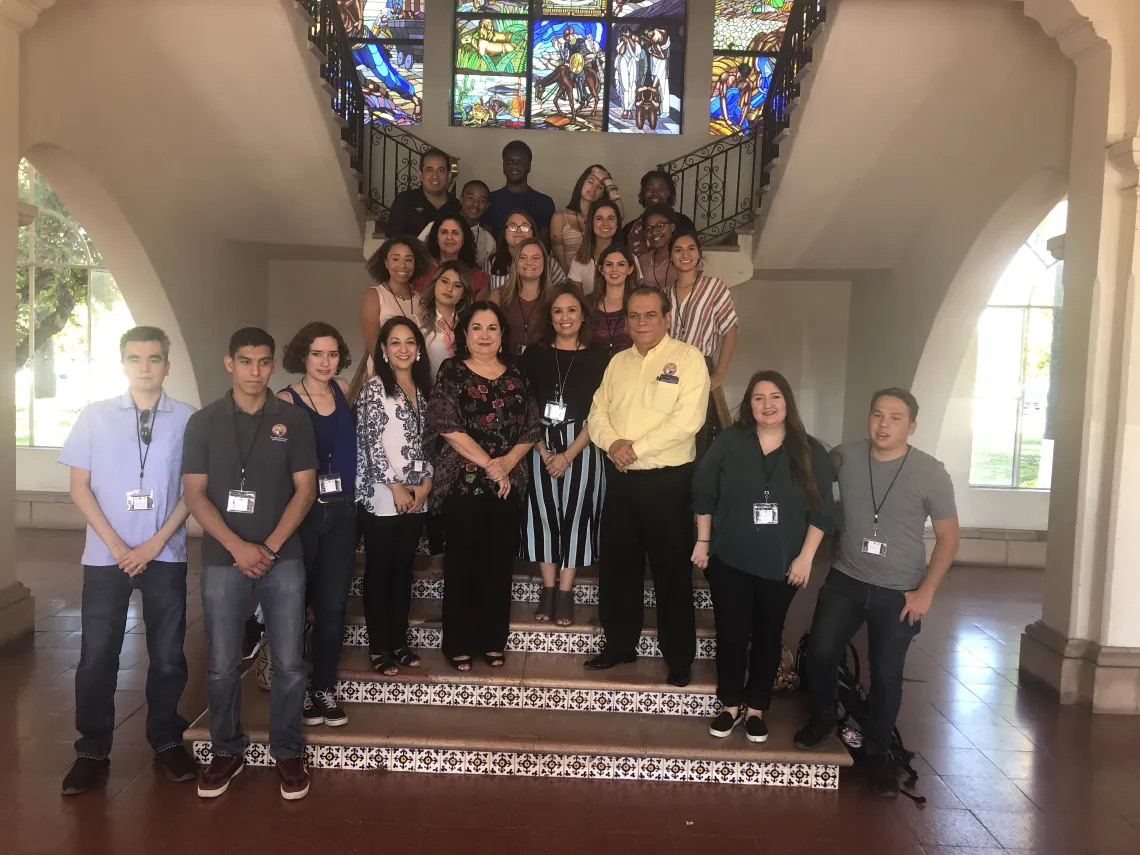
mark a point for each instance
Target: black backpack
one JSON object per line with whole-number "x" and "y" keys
{"x": 853, "y": 707}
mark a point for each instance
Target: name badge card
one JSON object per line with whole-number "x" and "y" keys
{"x": 140, "y": 500}
{"x": 241, "y": 502}
{"x": 668, "y": 378}
{"x": 520, "y": 350}
{"x": 765, "y": 513}
{"x": 554, "y": 412}
{"x": 419, "y": 466}
{"x": 329, "y": 485}
{"x": 872, "y": 546}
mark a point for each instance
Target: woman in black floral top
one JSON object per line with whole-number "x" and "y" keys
{"x": 483, "y": 408}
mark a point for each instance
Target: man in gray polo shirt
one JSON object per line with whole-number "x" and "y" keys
{"x": 881, "y": 577}
{"x": 249, "y": 465}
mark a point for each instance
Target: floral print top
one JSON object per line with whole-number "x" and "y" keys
{"x": 498, "y": 414}
{"x": 389, "y": 446}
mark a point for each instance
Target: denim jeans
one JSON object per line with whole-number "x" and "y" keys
{"x": 328, "y": 537}
{"x": 844, "y": 605}
{"x": 226, "y": 593}
{"x": 106, "y": 595}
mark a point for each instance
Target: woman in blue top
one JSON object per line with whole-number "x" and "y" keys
{"x": 328, "y": 533}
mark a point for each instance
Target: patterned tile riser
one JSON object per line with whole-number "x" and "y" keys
{"x": 527, "y": 592}
{"x": 428, "y": 638}
{"x": 446, "y": 761}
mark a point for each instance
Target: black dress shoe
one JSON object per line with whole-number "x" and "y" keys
{"x": 88, "y": 773}
{"x": 680, "y": 677}
{"x": 177, "y": 763}
{"x": 606, "y": 660}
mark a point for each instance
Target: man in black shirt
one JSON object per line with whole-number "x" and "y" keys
{"x": 417, "y": 207}
{"x": 249, "y": 464}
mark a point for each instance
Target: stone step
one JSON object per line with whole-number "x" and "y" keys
{"x": 539, "y": 742}
{"x": 526, "y": 633}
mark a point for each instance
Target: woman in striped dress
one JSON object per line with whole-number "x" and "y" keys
{"x": 564, "y": 501}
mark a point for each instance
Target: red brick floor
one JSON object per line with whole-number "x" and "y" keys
{"x": 1003, "y": 767}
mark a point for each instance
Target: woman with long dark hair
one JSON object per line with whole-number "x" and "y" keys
{"x": 449, "y": 240}
{"x": 440, "y": 307}
{"x": 568, "y": 227}
{"x": 762, "y": 495}
{"x": 482, "y": 407}
{"x": 604, "y": 225}
{"x": 615, "y": 280}
{"x": 395, "y": 481}
{"x": 520, "y": 226}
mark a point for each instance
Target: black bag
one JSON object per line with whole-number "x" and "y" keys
{"x": 852, "y": 710}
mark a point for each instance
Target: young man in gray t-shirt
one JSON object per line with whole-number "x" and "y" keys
{"x": 881, "y": 576}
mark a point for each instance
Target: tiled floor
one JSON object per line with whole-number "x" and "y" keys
{"x": 1002, "y": 767}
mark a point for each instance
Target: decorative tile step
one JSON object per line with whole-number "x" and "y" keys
{"x": 529, "y": 635}
{"x": 545, "y": 743}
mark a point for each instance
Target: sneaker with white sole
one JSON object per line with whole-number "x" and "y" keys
{"x": 310, "y": 714}
{"x": 755, "y": 729}
{"x": 723, "y": 724}
{"x": 328, "y": 709}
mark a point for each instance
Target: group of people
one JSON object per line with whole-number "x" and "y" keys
{"x": 527, "y": 418}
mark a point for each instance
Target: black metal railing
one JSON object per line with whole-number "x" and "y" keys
{"x": 718, "y": 185}
{"x": 386, "y": 157}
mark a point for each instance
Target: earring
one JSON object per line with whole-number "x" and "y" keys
{"x": 419, "y": 356}
{"x": 385, "y": 357}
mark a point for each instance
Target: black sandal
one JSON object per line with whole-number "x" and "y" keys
{"x": 494, "y": 660}
{"x": 564, "y": 608}
{"x": 545, "y": 610}
{"x": 460, "y": 663}
{"x": 382, "y": 663}
{"x": 405, "y": 657}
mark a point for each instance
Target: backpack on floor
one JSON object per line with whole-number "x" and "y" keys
{"x": 852, "y": 711}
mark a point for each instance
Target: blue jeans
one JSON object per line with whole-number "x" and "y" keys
{"x": 844, "y": 605}
{"x": 106, "y": 595}
{"x": 328, "y": 536}
{"x": 226, "y": 593}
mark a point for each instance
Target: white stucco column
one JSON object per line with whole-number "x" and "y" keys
{"x": 1087, "y": 644}
{"x": 17, "y": 607}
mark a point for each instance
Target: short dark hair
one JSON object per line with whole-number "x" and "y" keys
{"x": 664, "y": 176}
{"x": 585, "y": 334}
{"x": 519, "y": 146}
{"x": 660, "y": 210}
{"x": 481, "y": 183}
{"x": 145, "y": 334}
{"x": 421, "y": 368}
{"x": 435, "y": 152}
{"x": 377, "y": 265}
{"x": 251, "y": 337}
{"x": 297, "y": 350}
{"x": 462, "y": 351}
{"x": 903, "y": 395}
{"x": 650, "y": 291}
{"x": 466, "y": 252}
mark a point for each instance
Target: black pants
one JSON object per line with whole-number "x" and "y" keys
{"x": 748, "y": 610}
{"x": 433, "y": 526}
{"x": 844, "y": 605}
{"x": 328, "y": 539}
{"x": 482, "y": 542}
{"x": 389, "y": 556}
{"x": 648, "y": 513}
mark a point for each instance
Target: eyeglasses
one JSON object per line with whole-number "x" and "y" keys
{"x": 659, "y": 227}
{"x": 144, "y": 426}
{"x": 519, "y": 227}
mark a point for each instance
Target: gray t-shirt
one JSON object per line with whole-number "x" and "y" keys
{"x": 923, "y": 489}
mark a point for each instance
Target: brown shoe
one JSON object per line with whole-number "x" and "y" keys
{"x": 216, "y": 779}
{"x": 294, "y": 779}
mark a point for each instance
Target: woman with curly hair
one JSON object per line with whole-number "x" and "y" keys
{"x": 328, "y": 533}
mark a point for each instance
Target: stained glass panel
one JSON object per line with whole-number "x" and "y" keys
{"x": 649, "y": 61}
{"x": 746, "y": 39}
{"x": 567, "y": 78}
{"x": 489, "y": 101}
{"x": 491, "y": 45}
{"x": 750, "y": 25}
{"x": 486, "y": 7}
{"x": 648, "y": 8}
{"x": 392, "y": 77}
{"x": 583, "y": 8}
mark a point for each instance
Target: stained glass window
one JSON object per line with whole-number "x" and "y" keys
{"x": 746, "y": 41}
{"x": 388, "y": 44}
{"x": 573, "y": 65}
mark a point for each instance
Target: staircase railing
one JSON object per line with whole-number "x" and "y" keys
{"x": 718, "y": 185}
{"x": 386, "y": 157}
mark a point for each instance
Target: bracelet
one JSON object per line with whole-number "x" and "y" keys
{"x": 265, "y": 546}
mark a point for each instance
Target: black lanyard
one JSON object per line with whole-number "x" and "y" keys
{"x": 150, "y": 436}
{"x": 775, "y": 456}
{"x": 526, "y": 315}
{"x": 871, "y": 477}
{"x": 245, "y": 456}
{"x": 335, "y": 414}
{"x": 397, "y": 299}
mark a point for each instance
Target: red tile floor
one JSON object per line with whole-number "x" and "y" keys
{"x": 1002, "y": 767}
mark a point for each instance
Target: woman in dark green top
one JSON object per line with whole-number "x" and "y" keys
{"x": 762, "y": 495}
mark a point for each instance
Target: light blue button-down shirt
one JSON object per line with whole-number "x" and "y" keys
{"x": 105, "y": 440}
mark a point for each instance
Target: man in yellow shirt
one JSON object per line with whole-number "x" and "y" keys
{"x": 645, "y": 416}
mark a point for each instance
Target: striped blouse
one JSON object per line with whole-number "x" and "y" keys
{"x": 705, "y": 316}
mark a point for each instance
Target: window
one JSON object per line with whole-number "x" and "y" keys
{"x": 388, "y": 43}
{"x": 69, "y": 317}
{"x": 570, "y": 65}
{"x": 746, "y": 41}
{"x": 1014, "y": 391}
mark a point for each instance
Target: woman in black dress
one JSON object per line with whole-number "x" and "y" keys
{"x": 564, "y": 502}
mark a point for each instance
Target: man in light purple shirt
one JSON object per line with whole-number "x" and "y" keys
{"x": 125, "y": 456}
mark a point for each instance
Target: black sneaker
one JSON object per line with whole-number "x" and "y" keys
{"x": 812, "y": 735}
{"x": 86, "y": 774}
{"x": 330, "y": 711}
{"x": 884, "y": 775}
{"x": 310, "y": 714}
{"x": 723, "y": 724}
{"x": 177, "y": 763}
{"x": 755, "y": 729}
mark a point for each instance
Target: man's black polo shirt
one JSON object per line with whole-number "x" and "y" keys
{"x": 282, "y": 443}
{"x": 412, "y": 212}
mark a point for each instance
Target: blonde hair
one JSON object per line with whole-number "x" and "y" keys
{"x": 514, "y": 282}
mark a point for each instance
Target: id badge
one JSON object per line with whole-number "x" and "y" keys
{"x": 669, "y": 378}
{"x": 241, "y": 502}
{"x": 140, "y": 500}
{"x": 329, "y": 485}
{"x": 765, "y": 513}
{"x": 520, "y": 350}
{"x": 419, "y": 466}
{"x": 872, "y": 546}
{"x": 554, "y": 412}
